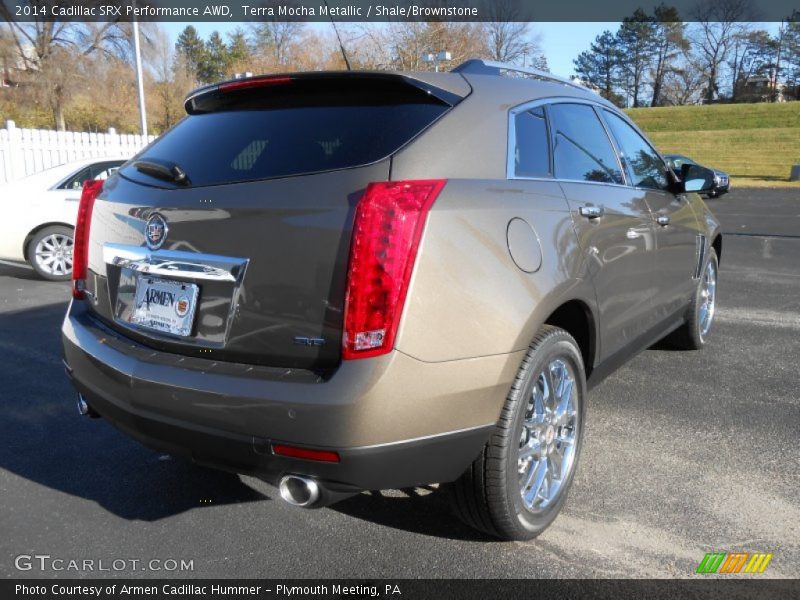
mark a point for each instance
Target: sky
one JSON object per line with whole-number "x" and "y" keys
{"x": 560, "y": 42}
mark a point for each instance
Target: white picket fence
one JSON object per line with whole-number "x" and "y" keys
{"x": 27, "y": 151}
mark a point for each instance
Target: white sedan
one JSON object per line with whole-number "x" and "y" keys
{"x": 39, "y": 215}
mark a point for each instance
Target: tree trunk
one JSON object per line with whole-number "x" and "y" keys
{"x": 712, "y": 84}
{"x": 662, "y": 59}
{"x": 58, "y": 110}
{"x": 774, "y": 95}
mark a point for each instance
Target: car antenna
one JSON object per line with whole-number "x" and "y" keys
{"x": 341, "y": 46}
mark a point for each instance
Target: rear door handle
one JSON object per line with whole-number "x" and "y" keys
{"x": 591, "y": 212}
{"x": 663, "y": 221}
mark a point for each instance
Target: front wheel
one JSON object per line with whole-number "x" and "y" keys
{"x": 693, "y": 334}
{"x": 519, "y": 483}
{"x": 50, "y": 253}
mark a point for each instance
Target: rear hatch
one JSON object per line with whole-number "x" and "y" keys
{"x": 248, "y": 204}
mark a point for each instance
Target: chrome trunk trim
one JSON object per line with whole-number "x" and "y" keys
{"x": 176, "y": 263}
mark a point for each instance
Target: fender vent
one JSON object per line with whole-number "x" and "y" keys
{"x": 700, "y": 253}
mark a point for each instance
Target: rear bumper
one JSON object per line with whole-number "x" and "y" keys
{"x": 395, "y": 421}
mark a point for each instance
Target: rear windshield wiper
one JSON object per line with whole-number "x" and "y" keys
{"x": 162, "y": 170}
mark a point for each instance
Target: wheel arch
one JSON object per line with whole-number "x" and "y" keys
{"x": 32, "y": 233}
{"x": 717, "y": 245}
{"x": 576, "y": 318}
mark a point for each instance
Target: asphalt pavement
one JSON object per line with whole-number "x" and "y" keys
{"x": 685, "y": 453}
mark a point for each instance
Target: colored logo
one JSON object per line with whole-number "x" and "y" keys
{"x": 155, "y": 231}
{"x": 734, "y": 562}
{"x": 182, "y": 306}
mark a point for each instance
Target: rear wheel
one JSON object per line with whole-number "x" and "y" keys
{"x": 50, "y": 253}
{"x": 519, "y": 483}
{"x": 700, "y": 315}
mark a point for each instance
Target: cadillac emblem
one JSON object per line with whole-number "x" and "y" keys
{"x": 155, "y": 231}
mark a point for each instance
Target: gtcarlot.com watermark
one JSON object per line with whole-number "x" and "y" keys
{"x": 46, "y": 562}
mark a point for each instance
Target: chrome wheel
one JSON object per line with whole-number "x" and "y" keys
{"x": 549, "y": 435}
{"x": 708, "y": 293}
{"x": 53, "y": 254}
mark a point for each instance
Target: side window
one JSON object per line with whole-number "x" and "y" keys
{"x": 532, "y": 152}
{"x": 581, "y": 148}
{"x": 76, "y": 181}
{"x": 104, "y": 174}
{"x": 104, "y": 170}
{"x": 644, "y": 165}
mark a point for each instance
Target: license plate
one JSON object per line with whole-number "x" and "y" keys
{"x": 165, "y": 306}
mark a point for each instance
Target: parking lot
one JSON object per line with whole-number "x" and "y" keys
{"x": 686, "y": 453}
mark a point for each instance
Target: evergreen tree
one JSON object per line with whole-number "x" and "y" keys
{"x": 636, "y": 40}
{"x": 790, "y": 52}
{"x": 190, "y": 51}
{"x": 599, "y": 65}
{"x": 214, "y": 66}
{"x": 754, "y": 55}
{"x": 239, "y": 55}
{"x": 670, "y": 43}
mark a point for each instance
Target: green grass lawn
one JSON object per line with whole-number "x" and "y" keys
{"x": 756, "y": 143}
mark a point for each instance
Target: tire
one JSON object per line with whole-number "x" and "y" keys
{"x": 50, "y": 252}
{"x": 489, "y": 494}
{"x": 692, "y": 335}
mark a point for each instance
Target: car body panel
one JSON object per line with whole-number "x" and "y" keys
{"x": 294, "y": 280}
{"x": 447, "y": 292}
{"x": 620, "y": 250}
{"x": 676, "y": 250}
{"x": 366, "y": 402}
{"x": 499, "y": 256}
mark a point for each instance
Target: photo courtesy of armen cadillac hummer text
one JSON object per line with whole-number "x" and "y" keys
{"x": 349, "y": 281}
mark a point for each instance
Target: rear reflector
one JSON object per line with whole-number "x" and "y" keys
{"x": 387, "y": 230}
{"x": 305, "y": 453}
{"x": 253, "y": 82}
{"x": 80, "y": 246}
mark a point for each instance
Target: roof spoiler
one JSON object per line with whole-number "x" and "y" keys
{"x": 213, "y": 97}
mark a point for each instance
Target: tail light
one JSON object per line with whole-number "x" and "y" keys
{"x": 388, "y": 226}
{"x": 254, "y": 82}
{"x": 80, "y": 246}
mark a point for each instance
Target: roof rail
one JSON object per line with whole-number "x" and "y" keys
{"x": 479, "y": 66}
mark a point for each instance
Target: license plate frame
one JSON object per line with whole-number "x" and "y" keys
{"x": 162, "y": 310}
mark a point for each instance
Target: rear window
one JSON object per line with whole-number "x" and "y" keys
{"x": 292, "y": 131}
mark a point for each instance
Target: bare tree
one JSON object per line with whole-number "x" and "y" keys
{"x": 170, "y": 79}
{"x": 8, "y": 55}
{"x": 714, "y": 34}
{"x": 405, "y": 43}
{"x": 670, "y": 43}
{"x": 754, "y": 54}
{"x": 48, "y": 49}
{"x": 683, "y": 84}
{"x": 275, "y": 41}
{"x": 368, "y": 46}
{"x": 509, "y": 39}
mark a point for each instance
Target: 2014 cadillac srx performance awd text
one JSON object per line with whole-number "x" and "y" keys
{"x": 365, "y": 280}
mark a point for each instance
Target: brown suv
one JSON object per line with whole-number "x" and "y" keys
{"x": 355, "y": 281}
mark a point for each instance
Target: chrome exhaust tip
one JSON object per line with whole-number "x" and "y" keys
{"x": 299, "y": 491}
{"x": 84, "y": 409}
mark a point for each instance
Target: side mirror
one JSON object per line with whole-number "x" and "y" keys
{"x": 695, "y": 178}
